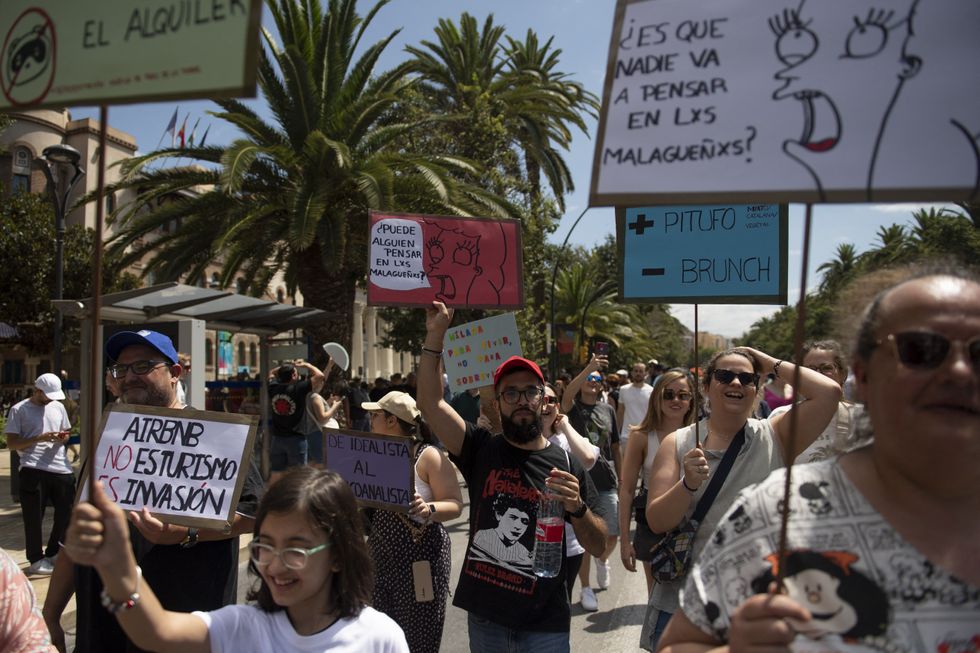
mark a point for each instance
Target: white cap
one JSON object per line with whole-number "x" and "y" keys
{"x": 50, "y": 385}
{"x": 622, "y": 373}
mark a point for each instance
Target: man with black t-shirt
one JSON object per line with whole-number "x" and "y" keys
{"x": 287, "y": 409}
{"x": 509, "y": 607}
{"x": 189, "y": 569}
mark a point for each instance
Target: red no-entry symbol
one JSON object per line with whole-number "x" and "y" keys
{"x": 27, "y": 61}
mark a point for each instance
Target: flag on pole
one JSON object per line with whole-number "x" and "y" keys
{"x": 170, "y": 129}
{"x": 190, "y": 139}
{"x": 183, "y": 128}
{"x": 205, "y": 137}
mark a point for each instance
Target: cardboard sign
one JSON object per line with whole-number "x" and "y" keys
{"x": 472, "y": 352}
{"x": 65, "y": 52}
{"x": 379, "y": 468}
{"x": 415, "y": 259}
{"x": 773, "y": 101}
{"x": 186, "y": 466}
{"x": 723, "y": 254}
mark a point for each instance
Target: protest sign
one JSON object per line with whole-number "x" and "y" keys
{"x": 471, "y": 262}
{"x": 65, "y": 52}
{"x": 472, "y": 351}
{"x": 186, "y": 466}
{"x": 773, "y": 101}
{"x": 718, "y": 254}
{"x": 378, "y": 468}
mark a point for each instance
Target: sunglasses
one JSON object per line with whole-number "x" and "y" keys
{"x": 925, "y": 350}
{"x": 680, "y": 395}
{"x": 594, "y": 377}
{"x": 745, "y": 378}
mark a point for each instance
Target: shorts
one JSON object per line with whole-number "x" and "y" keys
{"x": 607, "y": 507}
{"x": 286, "y": 452}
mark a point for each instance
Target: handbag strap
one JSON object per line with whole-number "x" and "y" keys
{"x": 718, "y": 479}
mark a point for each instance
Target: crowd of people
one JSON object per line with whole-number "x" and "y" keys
{"x": 882, "y": 518}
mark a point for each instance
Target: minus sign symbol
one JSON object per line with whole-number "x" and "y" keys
{"x": 652, "y": 272}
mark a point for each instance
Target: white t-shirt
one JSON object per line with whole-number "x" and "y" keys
{"x": 29, "y": 420}
{"x": 244, "y": 628}
{"x": 572, "y": 545}
{"x": 634, "y": 401}
{"x": 836, "y": 438}
{"x": 867, "y": 587}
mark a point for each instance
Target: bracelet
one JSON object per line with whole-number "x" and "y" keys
{"x": 434, "y": 352}
{"x": 687, "y": 487}
{"x": 128, "y": 603}
{"x": 775, "y": 368}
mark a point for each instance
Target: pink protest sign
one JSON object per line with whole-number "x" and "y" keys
{"x": 472, "y": 262}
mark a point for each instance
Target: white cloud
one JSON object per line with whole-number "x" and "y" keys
{"x": 729, "y": 320}
{"x": 904, "y": 207}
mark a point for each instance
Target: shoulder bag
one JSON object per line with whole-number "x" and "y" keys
{"x": 671, "y": 555}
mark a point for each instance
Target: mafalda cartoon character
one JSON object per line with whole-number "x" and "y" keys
{"x": 848, "y": 609}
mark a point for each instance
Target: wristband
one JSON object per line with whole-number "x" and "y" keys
{"x": 190, "y": 540}
{"x": 432, "y": 510}
{"x": 130, "y": 601}
{"x": 688, "y": 487}
{"x": 579, "y": 512}
{"x": 433, "y": 352}
{"x": 775, "y": 368}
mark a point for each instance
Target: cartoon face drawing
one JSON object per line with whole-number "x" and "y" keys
{"x": 817, "y": 592}
{"x": 825, "y": 55}
{"x": 740, "y": 520}
{"x": 27, "y": 56}
{"x": 816, "y": 497}
{"x": 452, "y": 260}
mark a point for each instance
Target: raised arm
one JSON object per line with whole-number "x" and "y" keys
{"x": 98, "y": 536}
{"x": 316, "y": 376}
{"x": 822, "y": 397}
{"x": 586, "y": 452}
{"x": 445, "y": 422}
{"x": 571, "y": 391}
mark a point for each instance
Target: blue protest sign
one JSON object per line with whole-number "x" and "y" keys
{"x": 713, "y": 254}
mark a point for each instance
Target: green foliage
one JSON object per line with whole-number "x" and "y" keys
{"x": 27, "y": 246}
{"x": 945, "y": 234}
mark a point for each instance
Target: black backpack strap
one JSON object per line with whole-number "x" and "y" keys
{"x": 718, "y": 479}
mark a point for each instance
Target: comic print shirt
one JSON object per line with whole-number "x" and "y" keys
{"x": 866, "y": 587}
{"x": 496, "y": 581}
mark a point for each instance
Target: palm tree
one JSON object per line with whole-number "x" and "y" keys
{"x": 293, "y": 194}
{"x": 838, "y": 271}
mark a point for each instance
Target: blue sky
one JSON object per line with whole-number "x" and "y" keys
{"x": 582, "y": 31}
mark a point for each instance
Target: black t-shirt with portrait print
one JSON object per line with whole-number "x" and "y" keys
{"x": 505, "y": 484}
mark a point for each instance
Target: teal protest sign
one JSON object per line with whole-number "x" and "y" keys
{"x": 717, "y": 254}
{"x": 65, "y": 52}
{"x": 472, "y": 351}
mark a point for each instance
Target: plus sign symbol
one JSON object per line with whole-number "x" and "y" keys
{"x": 641, "y": 224}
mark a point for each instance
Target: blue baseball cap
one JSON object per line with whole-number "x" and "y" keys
{"x": 153, "y": 339}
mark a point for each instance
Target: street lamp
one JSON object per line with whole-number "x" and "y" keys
{"x": 68, "y": 156}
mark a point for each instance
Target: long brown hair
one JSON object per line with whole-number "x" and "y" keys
{"x": 655, "y": 413}
{"x": 325, "y": 499}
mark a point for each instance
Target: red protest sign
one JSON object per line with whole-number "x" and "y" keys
{"x": 415, "y": 259}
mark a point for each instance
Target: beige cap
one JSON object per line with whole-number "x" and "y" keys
{"x": 399, "y": 404}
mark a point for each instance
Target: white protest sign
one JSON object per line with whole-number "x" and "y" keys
{"x": 749, "y": 101}
{"x": 396, "y": 255}
{"x": 473, "y": 351}
{"x": 186, "y": 466}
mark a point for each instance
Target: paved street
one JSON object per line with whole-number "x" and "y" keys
{"x": 616, "y": 627}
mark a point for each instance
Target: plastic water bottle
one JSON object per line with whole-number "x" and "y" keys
{"x": 548, "y": 533}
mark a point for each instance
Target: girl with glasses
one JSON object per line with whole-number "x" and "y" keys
{"x": 314, "y": 577}
{"x": 681, "y": 468}
{"x": 398, "y": 541}
{"x": 671, "y": 406}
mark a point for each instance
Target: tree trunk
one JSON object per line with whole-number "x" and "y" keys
{"x": 331, "y": 291}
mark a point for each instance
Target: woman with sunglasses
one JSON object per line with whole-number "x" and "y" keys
{"x": 891, "y": 547}
{"x": 671, "y": 407}
{"x": 683, "y": 465}
{"x": 397, "y": 542}
{"x": 308, "y": 553}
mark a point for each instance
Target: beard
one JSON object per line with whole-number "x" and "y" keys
{"x": 147, "y": 394}
{"x": 518, "y": 432}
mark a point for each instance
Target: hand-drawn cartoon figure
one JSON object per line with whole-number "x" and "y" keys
{"x": 816, "y": 497}
{"x": 502, "y": 544}
{"x": 28, "y": 56}
{"x": 898, "y": 60}
{"x": 465, "y": 272}
{"x": 842, "y": 601}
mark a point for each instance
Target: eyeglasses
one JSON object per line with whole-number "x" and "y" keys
{"x": 680, "y": 395}
{"x": 291, "y": 557}
{"x": 745, "y": 378}
{"x": 531, "y": 395}
{"x": 594, "y": 378}
{"x": 139, "y": 368}
{"x": 824, "y": 368}
{"x": 926, "y": 350}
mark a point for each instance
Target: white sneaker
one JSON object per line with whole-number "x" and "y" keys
{"x": 602, "y": 573}
{"x": 589, "y": 602}
{"x": 42, "y": 567}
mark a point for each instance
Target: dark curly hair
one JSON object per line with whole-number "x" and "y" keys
{"x": 326, "y": 500}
